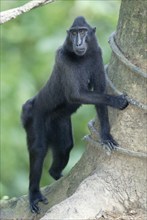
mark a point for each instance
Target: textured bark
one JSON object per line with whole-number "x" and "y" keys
{"x": 104, "y": 182}
{"x": 10, "y": 14}
{"x": 130, "y": 126}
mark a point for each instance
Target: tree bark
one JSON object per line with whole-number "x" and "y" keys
{"x": 104, "y": 183}
{"x": 130, "y": 126}
{"x": 10, "y": 14}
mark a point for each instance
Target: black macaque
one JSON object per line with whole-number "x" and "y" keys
{"x": 77, "y": 78}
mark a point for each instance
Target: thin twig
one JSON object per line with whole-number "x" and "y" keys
{"x": 131, "y": 100}
{"x": 122, "y": 58}
{"x": 119, "y": 149}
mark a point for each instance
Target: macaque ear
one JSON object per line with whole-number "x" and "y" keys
{"x": 94, "y": 29}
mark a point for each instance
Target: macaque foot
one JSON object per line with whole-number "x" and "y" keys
{"x": 34, "y": 202}
{"x": 109, "y": 142}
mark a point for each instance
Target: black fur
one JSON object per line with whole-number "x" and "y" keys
{"x": 77, "y": 78}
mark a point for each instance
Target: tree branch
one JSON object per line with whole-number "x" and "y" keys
{"x": 13, "y": 13}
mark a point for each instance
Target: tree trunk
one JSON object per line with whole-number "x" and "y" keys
{"x": 103, "y": 183}
{"x": 130, "y": 126}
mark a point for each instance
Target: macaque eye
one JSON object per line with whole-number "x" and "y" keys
{"x": 74, "y": 33}
{"x": 82, "y": 31}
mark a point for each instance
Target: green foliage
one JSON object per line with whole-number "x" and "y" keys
{"x": 28, "y": 49}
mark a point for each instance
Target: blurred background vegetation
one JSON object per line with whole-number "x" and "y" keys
{"x": 28, "y": 46}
